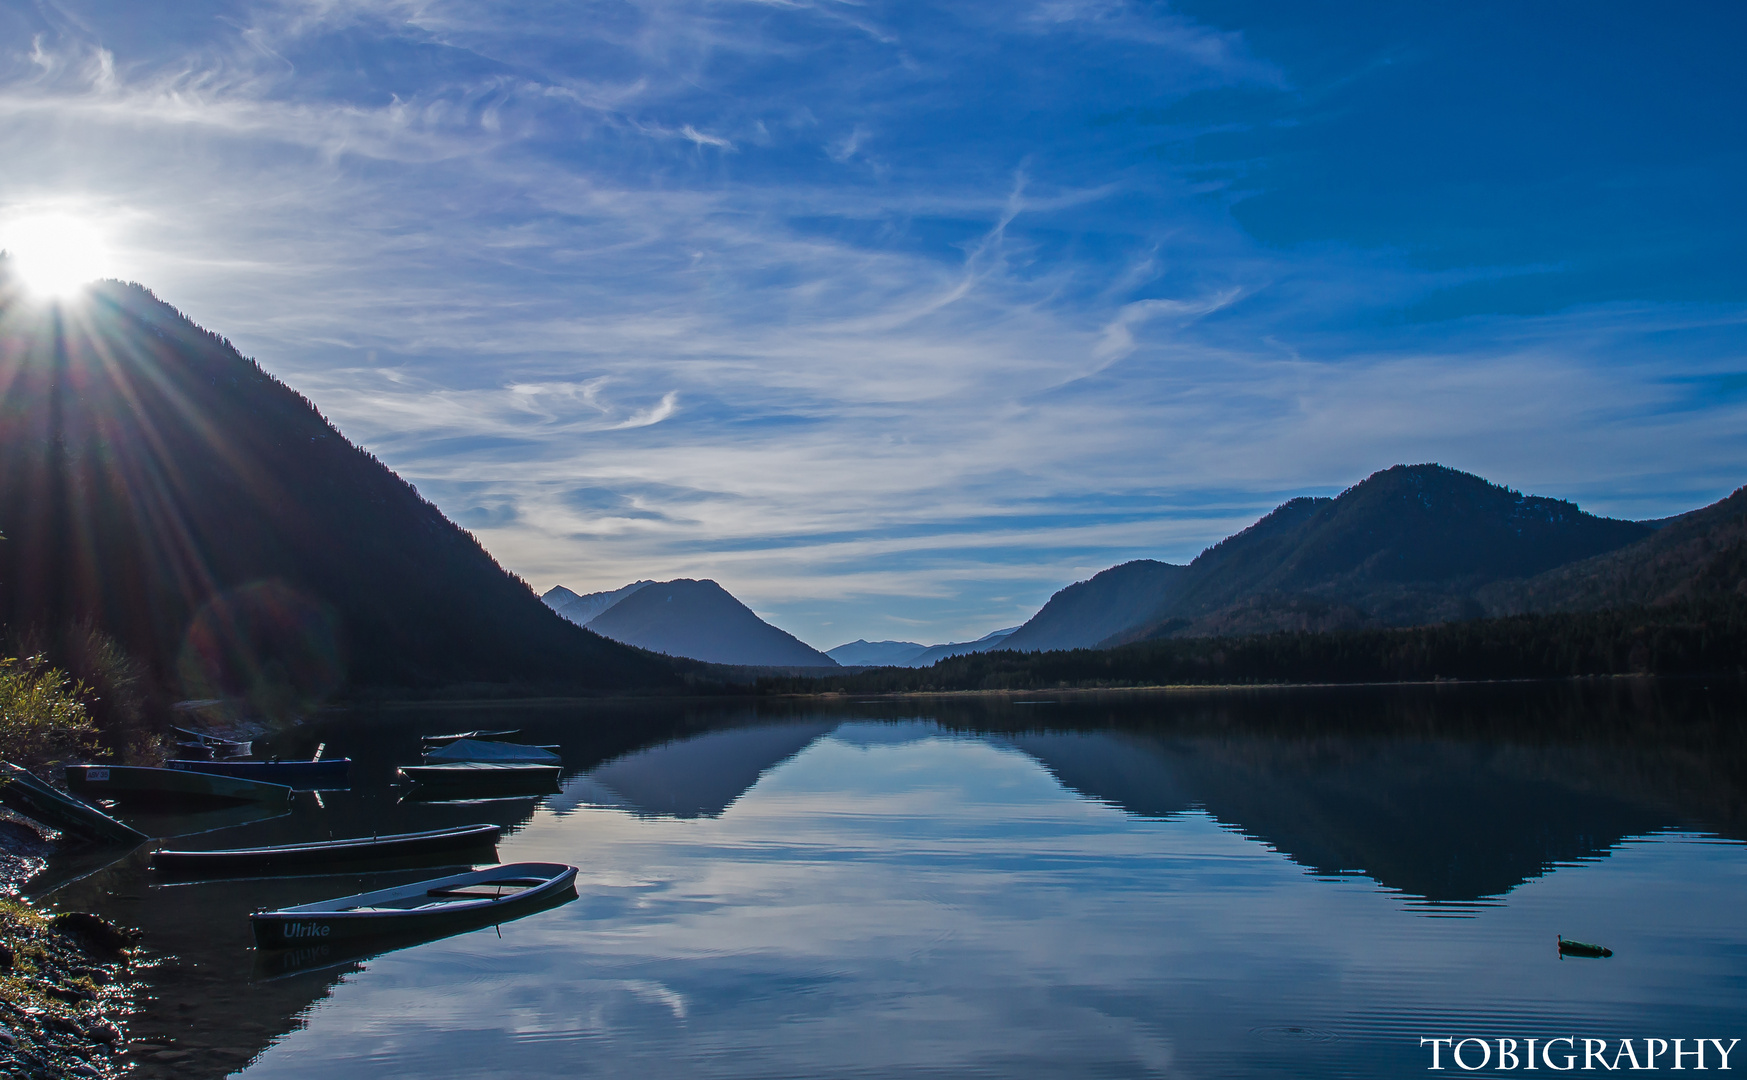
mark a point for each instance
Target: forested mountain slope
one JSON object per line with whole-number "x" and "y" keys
{"x": 1087, "y": 612}
{"x": 1406, "y": 546}
{"x": 1701, "y": 555}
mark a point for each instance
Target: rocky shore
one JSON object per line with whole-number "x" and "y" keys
{"x": 67, "y": 979}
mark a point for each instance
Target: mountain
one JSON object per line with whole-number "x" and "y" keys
{"x": 1701, "y": 555}
{"x": 695, "y": 619}
{"x": 582, "y": 610}
{"x": 1406, "y": 546}
{"x": 910, "y": 653}
{"x": 986, "y": 643}
{"x": 1085, "y": 613}
{"x": 159, "y": 487}
{"x": 862, "y": 653}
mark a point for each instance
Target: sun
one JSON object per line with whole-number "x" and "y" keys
{"x": 55, "y": 254}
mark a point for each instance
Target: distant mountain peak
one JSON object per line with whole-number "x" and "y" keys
{"x": 689, "y": 617}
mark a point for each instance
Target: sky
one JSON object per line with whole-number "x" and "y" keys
{"x": 895, "y": 318}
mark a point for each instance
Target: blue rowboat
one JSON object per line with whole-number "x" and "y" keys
{"x": 479, "y": 898}
{"x": 298, "y": 775}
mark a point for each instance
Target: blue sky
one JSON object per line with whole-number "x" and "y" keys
{"x": 894, "y": 318}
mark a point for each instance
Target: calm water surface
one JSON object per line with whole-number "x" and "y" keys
{"x": 1274, "y": 883}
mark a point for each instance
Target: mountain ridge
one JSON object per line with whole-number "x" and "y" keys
{"x": 159, "y": 487}
{"x": 1408, "y": 545}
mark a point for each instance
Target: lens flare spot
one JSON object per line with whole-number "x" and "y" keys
{"x": 265, "y": 645}
{"x": 55, "y": 254}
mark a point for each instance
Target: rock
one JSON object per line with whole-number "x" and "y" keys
{"x": 95, "y": 930}
{"x": 103, "y": 1031}
{"x": 5, "y": 958}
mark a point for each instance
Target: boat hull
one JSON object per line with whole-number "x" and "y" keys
{"x": 138, "y": 784}
{"x": 299, "y": 775}
{"x": 473, "y": 839}
{"x": 463, "y": 750}
{"x": 478, "y": 777}
{"x": 35, "y": 799}
{"x": 361, "y": 918}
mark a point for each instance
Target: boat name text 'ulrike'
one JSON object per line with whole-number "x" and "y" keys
{"x": 306, "y": 930}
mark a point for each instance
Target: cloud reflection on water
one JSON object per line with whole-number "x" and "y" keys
{"x": 899, "y": 900}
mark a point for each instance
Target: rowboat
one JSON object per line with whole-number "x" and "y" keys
{"x": 29, "y": 796}
{"x": 444, "y": 740}
{"x": 475, "y": 777}
{"x": 317, "y": 955}
{"x": 1582, "y": 948}
{"x": 474, "y": 839}
{"x": 472, "y": 899}
{"x": 484, "y": 750}
{"x": 135, "y": 783}
{"x": 299, "y": 775}
{"x": 200, "y": 745}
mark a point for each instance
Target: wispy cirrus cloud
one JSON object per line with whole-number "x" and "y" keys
{"x": 871, "y": 312}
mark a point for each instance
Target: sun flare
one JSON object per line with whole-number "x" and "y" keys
{"x": 55, "y": 254}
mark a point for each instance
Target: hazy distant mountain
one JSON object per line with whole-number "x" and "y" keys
{"x": 862, "y": 653}
{"x": 1701, "y": 555}
{"x": 582, "y": 609}
{"x": 910, "y": 653}
{"x": 986, "y": 643}
{"x": 695, "y": 619}
{"x": 158, "y": 485}
{"x": 1085, "y": 613}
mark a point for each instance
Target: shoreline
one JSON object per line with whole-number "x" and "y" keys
{"x": 68, "y": 979}
{"x": 546, "y": 701}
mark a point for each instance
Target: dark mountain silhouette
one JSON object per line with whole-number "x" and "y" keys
{"x": 1699, "y": 556}
{"x": 1084, "y": 614}
{"x": 702, "y": 621}
{"x": 157, "y": 485}
{"x": 1406, "y": 546}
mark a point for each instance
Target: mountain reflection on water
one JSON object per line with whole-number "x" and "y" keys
{"x": 742, "y": 877}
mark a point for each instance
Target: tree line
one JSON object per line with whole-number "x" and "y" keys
{"x": 1696, "y": 638}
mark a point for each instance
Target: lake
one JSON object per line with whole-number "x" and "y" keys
{"x": 1236, "y": 883}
